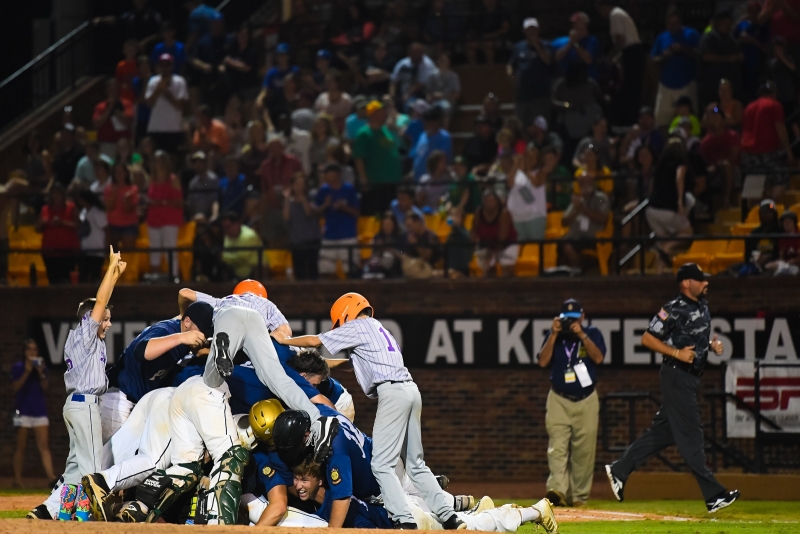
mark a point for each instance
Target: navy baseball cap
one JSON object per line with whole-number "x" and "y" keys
{"x": 571, "y": 308}
{"x": 325, "y": 54}
{"x": 282, "y": 48}
{"x": 201, "y": 314}
{"x": 691, "y": 271}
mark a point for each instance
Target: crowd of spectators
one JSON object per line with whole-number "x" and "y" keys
{"x": 351, "y": 118}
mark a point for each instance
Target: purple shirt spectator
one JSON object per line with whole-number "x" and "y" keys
{"x": 29, "y": 400}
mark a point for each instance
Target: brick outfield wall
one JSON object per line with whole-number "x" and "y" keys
{"x": 477, "y": 424}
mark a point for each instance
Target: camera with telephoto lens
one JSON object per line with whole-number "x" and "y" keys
{"x": 566, "y": 322}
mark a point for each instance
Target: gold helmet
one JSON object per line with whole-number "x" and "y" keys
{"x": 262, "y": 418}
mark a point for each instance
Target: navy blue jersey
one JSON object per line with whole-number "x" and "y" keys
{"x": 270, "y": 471}
{"x": 187, "y": 369}
{"x": 331, "y": 388}
{"x": 366, "y": 515}
{"x": 348, "y": 471}
{"x": 134, "y": 375}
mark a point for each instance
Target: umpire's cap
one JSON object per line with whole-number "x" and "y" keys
{"x": 691, "y": 271}
{"x": 201, "y": 314}
{"x": 571, "y": 308}
{"x": 292, "y": 437}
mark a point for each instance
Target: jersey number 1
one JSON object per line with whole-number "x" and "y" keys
{"x": 389, "y": 341}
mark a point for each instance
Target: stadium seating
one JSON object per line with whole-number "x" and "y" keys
{"x": 603, "y": 251}
{"x": 19, "y": 263}
{"x": 702, "y": 252}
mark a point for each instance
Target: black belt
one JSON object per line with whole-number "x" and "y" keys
{"x": 683, "y": 366}
{"x": 573, "y": 398}
{"x": 396, "y": 382}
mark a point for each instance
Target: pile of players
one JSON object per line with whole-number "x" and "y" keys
{"x": 195, "y": 427}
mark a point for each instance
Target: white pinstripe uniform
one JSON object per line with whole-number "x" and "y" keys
{"x": 381, "y": 373}
{"x": 85, "y": 379}
{"x": 273, "y": 317}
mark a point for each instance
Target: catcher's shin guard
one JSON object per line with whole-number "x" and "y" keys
{"x": 159, "y": 491}
{"x": 222, "y": 499}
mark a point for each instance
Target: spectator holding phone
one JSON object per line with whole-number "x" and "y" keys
{"x": 29, "y": 382}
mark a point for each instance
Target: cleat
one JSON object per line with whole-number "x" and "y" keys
{"x": 443, "y": 481}
{"x": 222, "y": 357}
{"x": 617, "y": 485}
{"x": 97, "y": 491}
{"x": 454, "y": 523}
{"x": 324, "y": 430}
{"x": 556, "y": 498}
{"x": 546, "y": 516}
{"x": 462, "y": 503}
{"x": 485, "y": 503}
{"x": 40, "y": 512}
{"x": 83, "y": 509}
{"x": 405, "y": 526}
{"x": 132, "y": 512}
{"x": 723, "y": 500}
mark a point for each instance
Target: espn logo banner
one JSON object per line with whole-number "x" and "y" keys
{"x": 780, "y": 398}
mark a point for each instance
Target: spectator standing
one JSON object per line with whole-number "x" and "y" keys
{"x": 605, "y": 146}
{"x": 376, "y": 69}
{"x": 783, "y": 71}
{"x": 433, "y": 138}
{"x": 207, "y": 67}
{"x": 731, "y": 108}
{"x": 444, "y": 88}
{"x": 202, "y": 202}
{"x": 169, "y": 45}
{"x": 254, "y": 152}
{"x": 625, "y": 37}
{"x": 644, "y": 132}
{"x": 166, "y": 95}
{"x": 141, "y": 109}
{"x": 376, "y": 152}
{"x": 782, "y": 18}
{"x": 164, "y": 212}
{"x": 753, "y": 37}
{"x": 435, "y": 184}
{"x": 573, "y": 355}
{"x": 276, "y": 174}
{"x": 93, "y": 226}
{"x": 527, "y": 197}
{"x": 490, "y": 30}
{"x": 403, "y": 205}
{"x": 241, "y": 64}
{"x": 241, "y": 263}
{"x": 585, "y": 216}
{"x": 338, "y": 203}
{"x": 121, "y": 199}
{"x": 410, "y": 75}
{"x": 675, "y": 52}
{"x": 578, "y": 99}
{"x": 465, "y": 194}
{"x": 668, "y": 211}
{"x": 200, "y": 17}
{"x": 84, "y": 171}
{"x": 481, "y": 149}
{"x": 69, "y": 154}
{"x": 210, "y": 135}
{"x": 765, "y": 141}
{"x": 127, "y": 69}
{"x": 58, "y": 222}
{"x": 272, "y": 95}
{"x": 233, "y": 187}
{"x": 385, "y": 261}
{"x": 304, "y": 234}
{"x": 357, "y": 119}
{"x": 29, "y": 383}
{"x": 720, "y": 57}
{"x": 531, "y": 64}
{"x": 416, "y": 126}
{"x": 323, "y": 135}
{"x": 334, "y": 101}
{"x": 102, "y": 173}
{"x": 493, "y": 231}
{"x": 303, "y": 116}
{"x": 720, "y": 151}
{"x": 577, "y": 47}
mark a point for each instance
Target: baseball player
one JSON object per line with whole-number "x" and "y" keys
{"x": 146, "y": 364}
{"x": 333, "y": 390}
{"x": 85, "y": 380}
{"x": 379, "y": 368}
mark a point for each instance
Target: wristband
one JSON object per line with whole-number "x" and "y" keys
{"x": 675, "y": 353}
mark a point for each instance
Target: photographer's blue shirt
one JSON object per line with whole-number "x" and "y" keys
{"x": 566, "y": 353}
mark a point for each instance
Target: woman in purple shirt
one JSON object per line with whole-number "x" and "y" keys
{"x": 29, "y": 382}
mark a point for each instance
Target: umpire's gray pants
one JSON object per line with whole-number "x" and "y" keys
{"x": 247, "y": 331}
{"x": 398, "y": 434}
{"x": 85, "y": 437}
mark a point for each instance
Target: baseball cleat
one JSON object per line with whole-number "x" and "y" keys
{"x": 132, "y": 512}
{"x": 222, "y": 357}
{"x": 617, "y": 486}
{"x": 485, "y": 503}
{"x": 40, "y": 512}
{"x": 97, "y": 490}
{"x": 556, "y": 498}
{"x": 405, "y": 526}
{"x": 443, "y": 481}
{"x": 324, "y": 430}
{"x": 546, "y": 516}
{"x": 462, "y": 503}
{"x": 723, "y": 500}
{"x": 454, "y": 523}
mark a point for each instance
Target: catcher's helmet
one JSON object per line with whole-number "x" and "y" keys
{"x": 250, "y": 286}
{"x": 262, "y": 419}
{"x": 347, "y": 307}
{"x": 245, "y": 431}
{"x": 292, "y": 436}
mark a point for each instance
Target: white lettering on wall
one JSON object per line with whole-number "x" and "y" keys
{"x": 441, "y": 344}
{"x": 508, "y": 341}
{"x": 631, "y": 338}
{"x": 468, "y": 327}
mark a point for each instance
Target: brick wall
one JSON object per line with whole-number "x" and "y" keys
{"x": 478, "y": 424}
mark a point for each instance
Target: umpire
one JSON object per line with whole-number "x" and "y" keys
{"x": 680, "y": 331}
{"x": 572, "y": 404}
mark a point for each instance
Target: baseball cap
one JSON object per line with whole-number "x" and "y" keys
{"x": 282, "y": 48}
{"x": 374, "y": 106}
{"x": 767, "y": 204}
{"x": 530, "y": 22}
{"x": 420, "y": 105}
{"x": 198, "y": 155}
{"x": 571, "y": 308}
{"x": 579, "y": 16}
{"x": 646, "y": 110}
{"x": 68, "y": 127}
{"x": 167, "y": 58}
{"x": 691, "y": 271}
{"x": 359, "y": 101}
{"x": 540, "y": 122}
{"x": 201, "y": 314}
{"x": 324, "y": 54}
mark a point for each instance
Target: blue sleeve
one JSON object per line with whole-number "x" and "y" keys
{"x": 658, "y": 46}
{"x": 307, "y": 388}
{"x": 352, "y": 198}
{"x": 269, "y": 472}
{"x": 152, "y": 332}
{"x": 186, "y": 373}
{"x": 331, "y": 388}
{"x": 156, "y": 54}
{"x": 593, "y": 47}
{"x": 268, "y": 77}
{"x": 448, "y": 149}
{"x": 693, "y": 39}
{"x": 597, "y": 338}
{"x": 320, "y": 196}
{"x": 340, "y": 477}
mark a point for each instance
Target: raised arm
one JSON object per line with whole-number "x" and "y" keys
{"x": 186, "y": 297}
{"x": 115, "y": 269}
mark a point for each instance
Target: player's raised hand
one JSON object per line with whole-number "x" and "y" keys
{"x": 113, "y": 257}
{"x": 193, "y": 338}
{"x": 121, "y": 265}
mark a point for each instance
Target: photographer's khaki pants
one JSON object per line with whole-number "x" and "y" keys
{"x": 572, "y": 427}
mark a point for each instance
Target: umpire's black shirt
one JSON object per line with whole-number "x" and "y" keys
{"x": 684, "y": 322}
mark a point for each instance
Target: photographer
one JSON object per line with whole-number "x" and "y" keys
{"x": 572, "y": 404}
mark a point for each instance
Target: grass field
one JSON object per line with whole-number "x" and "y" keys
{"x": 750, "y": 517}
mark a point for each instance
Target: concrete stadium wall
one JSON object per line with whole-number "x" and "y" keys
{"x": 479, "y": 424}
